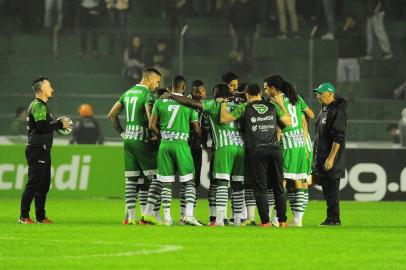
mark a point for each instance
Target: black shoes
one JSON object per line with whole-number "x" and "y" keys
{"x": 331, "y": 222}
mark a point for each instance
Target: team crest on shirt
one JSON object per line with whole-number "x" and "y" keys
{"x": 260, "y": 108}
{"x": 324, "y": 120}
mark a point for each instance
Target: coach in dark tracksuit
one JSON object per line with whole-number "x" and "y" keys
{"x": 259, "y": 120}
{"x": 38, "y": 152}
{"x": 329, "y": 149}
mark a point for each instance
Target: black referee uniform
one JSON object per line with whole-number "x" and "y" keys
{"x": 38, "y": 154}
{"x": 264, "y": 157}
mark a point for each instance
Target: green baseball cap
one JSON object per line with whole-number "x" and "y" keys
{"x": 325, "y": 87}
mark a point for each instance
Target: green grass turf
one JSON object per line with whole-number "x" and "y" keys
{"x": 88, "y": 234}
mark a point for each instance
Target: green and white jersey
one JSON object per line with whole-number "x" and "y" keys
{"x": 174, "y": 119}
{"x": 223, "y": 134}
{"x": 292, "y": 136}
{"x": 134, "y": 101}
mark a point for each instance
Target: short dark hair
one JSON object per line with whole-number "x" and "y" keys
{"x": 178, "y": 81}
{"x": 19, "y": 110}
{"x": 149, "y": 71}
{"x": 228, "y": 77}
{"x": 197, "y": 83}
{"x": 252, "y": 89}
{"x": 37, "y": 83}
{"x": 221, "y": 91}
{"x": 161, "y": 91}
{"x": 241, "y": 87}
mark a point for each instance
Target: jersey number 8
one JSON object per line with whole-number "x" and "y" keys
{"x": 293, "y": 114}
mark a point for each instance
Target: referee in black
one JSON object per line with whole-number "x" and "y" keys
{"x": 329, "y": 149}
{"x": 259, "y": 119}
{"x": 38, "y": 152}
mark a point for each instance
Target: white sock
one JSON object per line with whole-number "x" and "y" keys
{"x": 298, "y": 216}
{"x": 251, "y": 213}
{"x": 157, "y": 215}
{"x": 131, "y": 213}
{"x": 167, "y": 214}
{"x": 220, "y": 215}
{"x": 143, "y": 207}
{"x": 244, "y": 211}
{"x": 271, "y": 212}
{"x": 212, "y": 211}
{"x": 149, "y": 209}
{"x": 189, "y": 209}
{"x": 237, "y": 219}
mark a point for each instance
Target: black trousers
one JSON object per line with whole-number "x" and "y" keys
{"x": 197, "y": 160}
{"x": 330, "y": 188}
{"x": 39, "y": 180}
{"x": 267, "y": 171}
{"x": 89, "y": 23}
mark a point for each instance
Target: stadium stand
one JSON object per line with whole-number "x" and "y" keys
{"x": 99, "y": 80}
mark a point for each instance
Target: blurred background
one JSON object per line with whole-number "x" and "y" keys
{"x": 93, "y": 50}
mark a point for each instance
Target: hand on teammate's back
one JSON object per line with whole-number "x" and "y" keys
{"x": 166, "y": 95}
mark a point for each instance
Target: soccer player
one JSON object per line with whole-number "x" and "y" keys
{"x": 198, "y": 92}
{"x": 41, "y": 127}
{"x": 140, "y": 168}
{"x": 260, "y": 119}
{"x": 292, "y": 142}
{"x": 228, "y": 164}
{"x": 232, "y": 82}
{"x": 171, "y": 121}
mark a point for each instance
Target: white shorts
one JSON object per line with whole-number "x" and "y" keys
{"x": 348, "y": 70}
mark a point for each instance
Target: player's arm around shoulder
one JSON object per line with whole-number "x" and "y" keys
{"x": 225, "y": 116}
{"x": 189, "y": 102}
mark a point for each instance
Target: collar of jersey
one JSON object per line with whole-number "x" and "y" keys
{"x": 141, "y": 85}
{"x": 177, "y": 94}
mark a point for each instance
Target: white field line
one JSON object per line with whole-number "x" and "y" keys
{"x": 157, "y": 249}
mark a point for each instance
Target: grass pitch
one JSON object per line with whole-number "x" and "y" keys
{"x": 88, "y": 234}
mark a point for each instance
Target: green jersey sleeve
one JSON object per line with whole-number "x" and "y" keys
{"x": 121, "y": 99}
{"x": 150, "y": 98}
{"x": 239, "y": 111}
{"x": 194, "y": 116}
{"x": 155, "y": 108}
{"x": 210, "y": 106}
{"x": 39, "y": 111}
{"x": 303, "y": 104}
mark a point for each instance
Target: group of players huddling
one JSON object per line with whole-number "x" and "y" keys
{"x": 162, "y": 124}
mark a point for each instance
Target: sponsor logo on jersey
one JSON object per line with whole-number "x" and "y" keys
{"x": 253, "y": 119}
{"x": 266, "y": 118}
{"x": 254, "y": 128}
{"x": 266, "y": 127}
{"x": 260, "y": 108}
